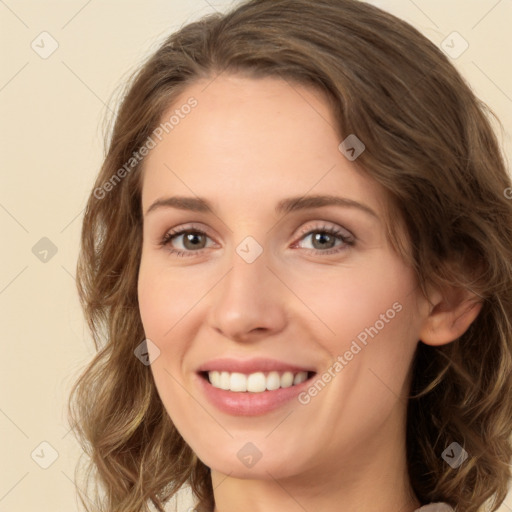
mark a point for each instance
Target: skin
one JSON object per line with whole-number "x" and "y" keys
{"x": 248, "y": 144}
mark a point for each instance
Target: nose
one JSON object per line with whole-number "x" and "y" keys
{"x": 249, "y": 301}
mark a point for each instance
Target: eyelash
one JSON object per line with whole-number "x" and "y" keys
{"x": 348, "y": 241}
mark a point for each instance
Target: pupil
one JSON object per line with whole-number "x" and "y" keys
{"x": 321, "y": 237}
{"x": 190, "y": 238}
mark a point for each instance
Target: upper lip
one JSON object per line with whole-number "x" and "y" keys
{"x": 253, "y": 365}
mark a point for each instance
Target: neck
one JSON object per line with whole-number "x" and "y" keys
{"x": 276, "y": 495}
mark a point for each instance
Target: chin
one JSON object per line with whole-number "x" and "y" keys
{"x": 238, "y": 464}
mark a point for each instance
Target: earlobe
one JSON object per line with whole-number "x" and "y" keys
{"x": 450, "y": 318}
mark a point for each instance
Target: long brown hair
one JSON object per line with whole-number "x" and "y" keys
{"x": 429, "y": 143}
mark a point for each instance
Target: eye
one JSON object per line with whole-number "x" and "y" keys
{"x": 192, "y": 240}
{"x": 324, "y": 239}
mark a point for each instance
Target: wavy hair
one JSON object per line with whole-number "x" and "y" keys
{"x": 429, "y": 142}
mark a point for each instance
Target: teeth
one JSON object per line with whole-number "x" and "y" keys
{"x": 255, "y": 382}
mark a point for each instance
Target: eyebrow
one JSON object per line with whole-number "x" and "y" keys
{"x": 287, "y": 205}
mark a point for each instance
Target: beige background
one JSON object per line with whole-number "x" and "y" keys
{"x": 52, "y": 112}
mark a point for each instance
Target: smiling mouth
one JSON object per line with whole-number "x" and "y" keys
{"x": 257, "y": 382}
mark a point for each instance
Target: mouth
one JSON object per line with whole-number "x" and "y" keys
{"x": 252, "y": 394}
{"x": 252, "y": 387}
{"x": 256, "y": 382}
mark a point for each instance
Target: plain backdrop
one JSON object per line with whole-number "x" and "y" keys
{"x": 63, "y": 62}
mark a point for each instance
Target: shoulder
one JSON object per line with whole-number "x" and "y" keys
{"x": 435, "y": 507}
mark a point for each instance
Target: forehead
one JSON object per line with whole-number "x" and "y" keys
{"x": 248, "y": 140}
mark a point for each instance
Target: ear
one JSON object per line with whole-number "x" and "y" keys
{"x": 450, "y": 316}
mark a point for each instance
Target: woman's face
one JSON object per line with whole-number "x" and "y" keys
{"x": 311, "y": 286}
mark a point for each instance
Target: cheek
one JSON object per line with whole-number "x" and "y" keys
{"x": 378, "y": 336}
{"x": 164, "y": 300}
{"x": 366, "y": 301}
{"x": 163, "y": 304}
{"x": 171, "y": 303}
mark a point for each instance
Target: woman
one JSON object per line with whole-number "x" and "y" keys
{"x": 296, "y": 266}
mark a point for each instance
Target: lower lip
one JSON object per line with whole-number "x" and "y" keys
{"x": 250, "y": 404}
